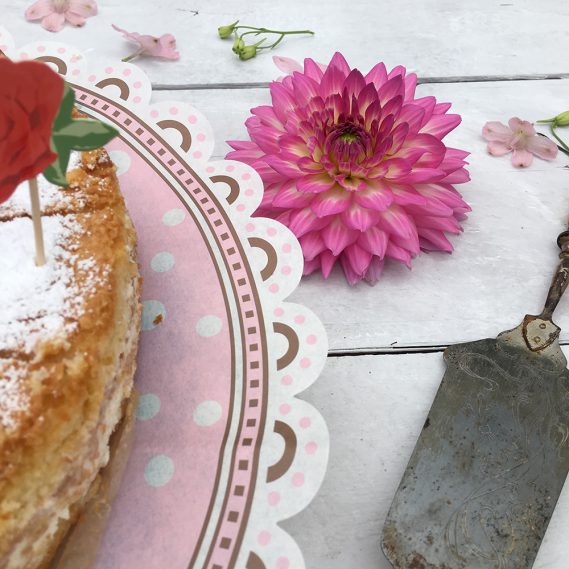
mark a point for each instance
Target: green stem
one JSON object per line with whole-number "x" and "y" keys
{"x": 559, "y": 139}
{"x": 133, "y": 55}
{"x": 267, "y": 31}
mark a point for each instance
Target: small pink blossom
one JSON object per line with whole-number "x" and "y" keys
{"x": 54, "y": 13}
{"x": 164, "y": 46}
{"x": 520, "y": 138}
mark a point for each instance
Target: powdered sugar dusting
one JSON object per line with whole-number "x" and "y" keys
{"x": 40, "y": 302}
{"x": 50, "y": 195}
{"x": 12, "y": 398}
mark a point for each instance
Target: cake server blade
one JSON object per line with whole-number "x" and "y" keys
{"x": 493, "y": 455}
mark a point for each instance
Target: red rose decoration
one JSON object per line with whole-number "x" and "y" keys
{"x": 30, "y": 95}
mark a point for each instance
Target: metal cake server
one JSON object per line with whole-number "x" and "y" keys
{"x": 493, "y": 455}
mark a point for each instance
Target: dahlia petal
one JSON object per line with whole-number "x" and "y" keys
{"x": 517, "y": 124}
{"x": 410, "y": 86}
{"x": 268, "y": 198}
{"x": 315, "y": 183}
{"x": 392, "y": 108}
{"x": 399, "y": 254}
{"x": 293, "y": 148}
{"x": 542, "y": 147}
{"x": 441, "y": 108}
{"x": 456, "y": 153}
{"x": 407, "y": 196}
{"x": 421, "y": 175}
{"x": 284, "y": 167}
{"x": 309, "y": 165}
{"x": 496, "y": 131}
{"x": 354, "y": 83}
{"x": 313, "y": 69}
{"x": 286, "y": 64}
{"x": 396, "y": 221}
{"x": 332, "y": 202}
{"x": 39, "y": 9}
{"x": 303, "y": 221}
{"x": 312, "y": 245}
{"x": 358, "y": 258}
{"x": 374, "y": 270}
{"x": 267, "y": 139}
{"x": 411, "y": 154}
{"x": 332, "y": 82}
{"x": 372, "y": 113}
{"x": 433, "y": 240}
{"x": 327, "y": 262}
{"x": 337, "y": 236}
{"x": 451, "y": 164}
{"x": 412, "y": 115}
{"x": 283, "y": 100}
{"x": 435, "y": 150}
{"x": 445, "y": 193}
{"x": 398, "y": 70}
{"x": 351, "y": 276}
{"x": 377, "y": 195}
{"x": 360, "y": 218}
{"x": 288, "y": 196}
{"x": 366, "y": 97}
{"x": 377, "y": 75}
{"x": 310, "y": 266}
{"x": 305, "y": 88}
{"x": 395, "y": 168}
{"x": 522, "y": 158}
{"x": 399, "y": 134}
{"x": 459, "y": 176}
{"x": 375, "y": 241}
{"x": 410, "y": 245}
{"x": 244, "y": 145}
{"x": 392, "y": 88}
{"x": 432, "y": 206}
{"x": 268, "y": 117}
{"x": 428, "y": 103}
{"x": 448, "y": 224}
{"x": 53, "y": 22}
{"x": 339, "y": 61}
{"x": 441, "y": 125}
{"x": 84, "y": 8}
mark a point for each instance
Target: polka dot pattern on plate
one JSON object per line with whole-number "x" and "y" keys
{"x": 207, "y": 413}
{"x": 209, "y": 326}
{"x": 174, "y": 216}
{"x": 148, "y": 407}
{"x": 153, "y": 314}
{"x": 159, "y": 470}
{"x": 162, "y": 262}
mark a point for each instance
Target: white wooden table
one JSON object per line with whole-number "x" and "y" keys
{"x": 493, "y": 59}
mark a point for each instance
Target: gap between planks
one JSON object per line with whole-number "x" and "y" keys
{"x": 420, "y": 81}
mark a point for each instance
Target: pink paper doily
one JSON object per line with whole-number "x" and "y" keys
{"x": 223, "y": 449}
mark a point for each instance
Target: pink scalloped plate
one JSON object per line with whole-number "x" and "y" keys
{"x": 223, "y": 448}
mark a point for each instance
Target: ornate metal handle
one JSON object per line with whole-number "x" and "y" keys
{"x": 560, "y": 280}
{"x": 539, "y": 332}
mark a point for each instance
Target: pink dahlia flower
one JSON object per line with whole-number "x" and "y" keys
{"x": 355, "y": 166}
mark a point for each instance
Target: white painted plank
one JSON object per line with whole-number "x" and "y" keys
{"x": 503, "y": 262}
{"x": 432, "y": 37}
{"x": 375, "y": 407}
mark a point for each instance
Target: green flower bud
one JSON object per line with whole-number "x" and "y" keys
{"x": 248, "y": 52}
{"x": 226, "y": 31}
{"x": 562, "y": 119}
{"x": 238, "y": 45}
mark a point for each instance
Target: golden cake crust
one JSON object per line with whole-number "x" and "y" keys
{"x": 65, "y": 376}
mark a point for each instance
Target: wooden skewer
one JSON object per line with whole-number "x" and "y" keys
{"x": 36, "y": 218}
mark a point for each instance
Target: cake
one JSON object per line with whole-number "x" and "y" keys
{"x": 68, "y": 340}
